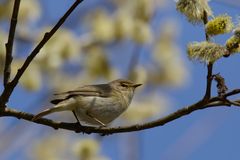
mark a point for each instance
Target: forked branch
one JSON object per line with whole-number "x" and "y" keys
{"x": 9, "y": 88}
{"x": 213, "y": 102}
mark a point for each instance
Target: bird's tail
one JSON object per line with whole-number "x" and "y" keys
{"x": 57, "y": 108}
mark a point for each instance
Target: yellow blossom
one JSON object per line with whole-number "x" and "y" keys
{"x": 144, "y": 9}
{"x": 102, "y": 26}
{"x": 194, "y": 9}
{"x": 52, "y": 147}
{"x": 233, "y": 44}
{"x": 236, "y": 31}
{"x": 62, "y": 46}
{"x": 32, "y": 78}
{"x": 87, "y": 148}
{"x": 146, "y": 108}
{"x": 139, "y": 74}
{"x": 5, "y": 9}
{"x": 124, "y": 25}
{"x": 171, "y": 69}
{"x": 96, "y": 62}
{"x": 30, "y": 10}
{"x": 3, "y": 40}
{"x": 219, "y": 25}
{"x": 142, "y": 32}
{"x": 207, "y": 52}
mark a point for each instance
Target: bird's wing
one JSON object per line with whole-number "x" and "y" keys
{"x": 101, "y": 90}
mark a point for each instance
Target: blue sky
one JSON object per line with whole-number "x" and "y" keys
{"x": 207, "y": 134}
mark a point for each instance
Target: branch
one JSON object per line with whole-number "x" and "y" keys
{"x": 217, "y": 101}
{"x": 210, "y": 65}
{"x": 9, "y": 44}
{"x": 9, "y": 89}
{"x": 106, "y": 131}
{"x": 209, "y": 82}
{"x": 233, "y": 92}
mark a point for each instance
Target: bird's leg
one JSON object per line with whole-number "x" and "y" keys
{"x": 76, "y": 118}
{"x": 97, "y": 120}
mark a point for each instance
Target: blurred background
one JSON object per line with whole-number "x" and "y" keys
{"x": 142, "y": 40}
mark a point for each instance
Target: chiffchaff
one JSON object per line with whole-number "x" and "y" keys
{"x": 95, "y": 104}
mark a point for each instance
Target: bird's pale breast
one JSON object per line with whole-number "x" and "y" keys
{"x": 105, "y": 109}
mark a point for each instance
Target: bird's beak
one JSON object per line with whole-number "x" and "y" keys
{"x": 136, "y": 85}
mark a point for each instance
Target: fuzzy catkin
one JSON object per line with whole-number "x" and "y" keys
{"x": 219, "y": 25}
{"x": 233, "y": 44}
{"x": 207, "y": 52}
{"x": 194, "y": 9}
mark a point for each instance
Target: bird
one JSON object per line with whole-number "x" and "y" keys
{"x": 94, "y": 105}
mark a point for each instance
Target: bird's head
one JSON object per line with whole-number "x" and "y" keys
{"x": 126, "y": 87}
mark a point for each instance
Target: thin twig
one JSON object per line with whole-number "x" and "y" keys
{"x": 9, "y": 44}
{"x": 235, "y": 103}
{"x": 221, "y": 100}
{"x": 9, "y": 89}
{"x": 227, "y": 103}
{"x": 209, "y": 66}
{"x": 233, "y": 92}
{"x": 209, "y": 82}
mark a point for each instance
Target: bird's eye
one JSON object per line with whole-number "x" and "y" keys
{"x": 124, "y": 85}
